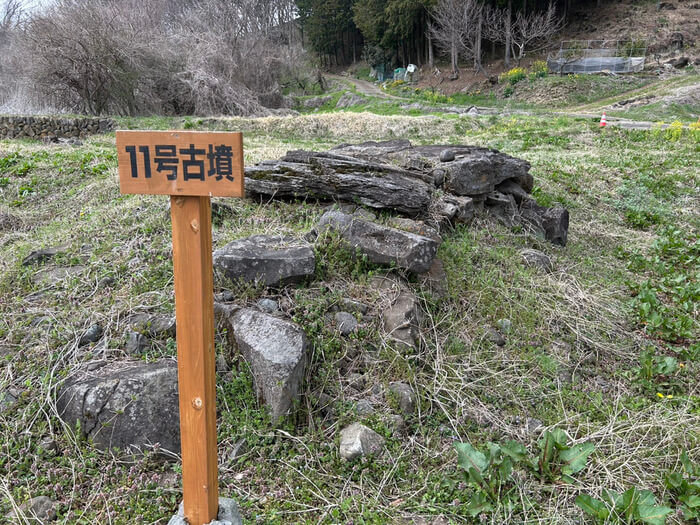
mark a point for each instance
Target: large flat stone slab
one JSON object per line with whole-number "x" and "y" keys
{"x": 125, "y": 405}
{"x": 381, "y": 244}
{"x": 271, "y": 260}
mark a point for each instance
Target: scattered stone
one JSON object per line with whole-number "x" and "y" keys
{"x": 276, "y": 350}
{"x": 54, "y": 276}
{"x": 549, "y": 223}
{"x": 7, "y": 401}
{"x": 537, "y": 259}
{"x": 680, "y": 62}
{"x": 268, "y": 306}
{"x": 364, "y": 408}
{"x": 405, "y": 397}
{"x": 48, "y": 446}
{"x": 417, "y": 227}
{"x": 41, "y": 509}
{"x": 353, "y": 306}
{"x": 477, "y": 171}
{"x": 496, "y": 337}
{"x": 129, "y": 405}
{"x": 155, "y": 326}
{"x": 503, "y": 208}
{"x": 504, "y": 325}
{"x": 316, "y": 102}
{"x": 91, "y": 335}
{"x": 435, "y": 279}
{"x": 345, "y": 322}
{"x": 533, "y": 426}
{"x": 270, "y": 260}
{"x": 447, "y": 155}
{"x": 396, "y": 423}
{"x": 106, "y": 282}
{"x": 226, "y": 296}
{"x": 356, "y": 381}
{"x": 358, "y": 440}
{"x": 136, "y": 343}
{"x": 39, "y": 256}
{"x": 222, "y": 365}
{"x": 228, "y": 514}
{"x": 402, "y": 320}
{"x": 349, "y": 99}
{"x": 382, "y": 245}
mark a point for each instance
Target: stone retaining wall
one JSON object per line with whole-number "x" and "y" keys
{"x": 12, "y": 127}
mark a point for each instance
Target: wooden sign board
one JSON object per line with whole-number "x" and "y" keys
{"x": 191, "y": 167}
{"x": 181, "y": 163}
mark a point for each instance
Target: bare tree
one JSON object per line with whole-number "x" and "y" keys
{"x": 456, "y": 30}
{"x": 527, "y": 31}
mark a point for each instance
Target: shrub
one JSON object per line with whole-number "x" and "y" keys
{"x": 513, "y": 76}
{"x": 538, "y": 69}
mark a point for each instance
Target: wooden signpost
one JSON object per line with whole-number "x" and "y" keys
{"x": 191, "y": 167}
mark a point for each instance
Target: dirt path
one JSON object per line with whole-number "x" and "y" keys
{"x": 363, "y": 87}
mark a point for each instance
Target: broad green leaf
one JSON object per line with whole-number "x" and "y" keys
{"x": 515, "y": 450}
{"x": 478, "y": 504}
{"x": 575, "y": 458}
{"x": 692, "y": 501}
{"x": 673, "y": 480}
{"x": 612, "y": 498}
{"x": 646, "y": 497}
{"x": 630, "y": 500}
{"x": 505, "y": 469}
{"x": 592, "y": 507}
{"x": 653, "y": 514}
{"x": 546, "y": 452}
{"x": 560, "y": 439}
{"x": 469, "y": 457}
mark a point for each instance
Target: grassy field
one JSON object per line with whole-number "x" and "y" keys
{"x": 604, "y": 352}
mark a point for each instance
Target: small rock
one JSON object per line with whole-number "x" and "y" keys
{"x": 37, "y": 510}
{"x": 364, "y": 408}
{"x": 48, "y": 445}
{"x": 404, "y": 395}
{"x": 358, "y": 440}
{"x": 402, "y": 320}
{"x": 91, "y": 335}
{"x": 537, "y": 259}
{"x": 268, "y": 305}
{"x": 345, "y": 322}
{"x": 435, "y": 279}
{"x": 39, "y": 256}
{"x": 228, "y": 514}
{"x": 156, "y": 326}
{"x": 7, "y": 401}
{"x": 504, "y": 325}
{"x": 136, "y": 343}
{"x": 353, "y": 306}
{"x": 496, "y": 337}
{"x": 356, "y": 381}
{"x": 226, "y": 296}
{"x": 54, "y": 276}
{"x": 397, "y": 423}
{"x": 106, "y": 282}
{"x": 533, "y": 426}
{"x": 222, "y": 365}
{"x": 447, "y": 155}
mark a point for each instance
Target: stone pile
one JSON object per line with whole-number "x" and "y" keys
{"x": 35, "y": 127}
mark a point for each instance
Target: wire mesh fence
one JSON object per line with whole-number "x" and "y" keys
{"x": 595, "y": 56}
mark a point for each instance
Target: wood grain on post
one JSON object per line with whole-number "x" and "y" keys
{"x": 194, "y": 309}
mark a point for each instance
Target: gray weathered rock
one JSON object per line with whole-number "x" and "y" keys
{"x": 276, "y": 350}
{"x": 39, "y": 256}
{"x": 435, "y": 279}
{"x": 54, "y": 276}
{"x": 228, "y": 514}
{"x": 549, "y": 223}
{"x": 40, "y": 509}
{"x": 358, "y": 440}
{"x": 155, "y": 326}
{"x": 447, "y": 155}
{"x": 350, "y": 99}
{"x": 382, "y": 245}
{"x": 334, "y": 176}
{"x": 463, "y": 208}
{"x": 413, "y": 226}
{"x": 7, "y": 401}
{"x": 268, "y": 305}
{"x": 364, "y": 408}
{"x": 503, "y": 208}
{"x": 345, "y": 322}
{"x": 353, "y": 306}
{"x": 124, "y": 405}
{"x": 91, "y": 335}
{"x": 402, "y": 320}
{"x": 405, "y": 396}
{"x": 316, "y": 102}
{"x": 270, "y": 260}
{"x": 537, "y": 259}
{"x": 136, "y": 343}
{"x": 496, "y": 337}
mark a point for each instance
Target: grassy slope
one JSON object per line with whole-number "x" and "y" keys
{"x": 576, "y": 322}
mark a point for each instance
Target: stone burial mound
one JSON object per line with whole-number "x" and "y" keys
{"x": 133, "y": 405}
{"x": 443, "y": 182}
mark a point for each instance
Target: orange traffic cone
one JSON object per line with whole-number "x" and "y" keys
{"x": 602, "y": 121}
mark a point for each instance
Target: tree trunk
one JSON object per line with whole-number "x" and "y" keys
{"x": 431, "y": 59}
{"x": 508, "y": 31}
{"x": 477, "y": 43}
{"x": 453, "y": 53}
